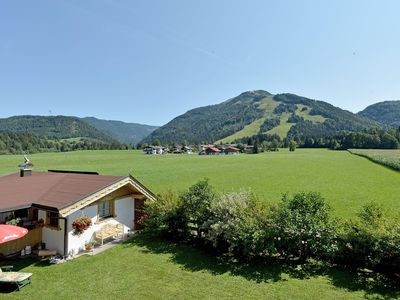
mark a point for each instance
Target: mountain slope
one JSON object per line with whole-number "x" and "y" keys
{"x": 210, "y": 123}
{"x": 53, "y": 127}
{"x": 259, "y": 112}
{"x": 386, "y": 113}
{"x": 129, "y": 133}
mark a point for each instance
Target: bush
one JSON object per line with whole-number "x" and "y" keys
{"x": 196, "y": 204}
{"x": 299, "y": 227}
{"x": 292, "y": 145}
{"x": 239, "y": 224}
{"x": 304, "y": 228}
{"x": 371, "y": 241}
{"x": 180, "y": 217}
{"x": 165, "y": 217}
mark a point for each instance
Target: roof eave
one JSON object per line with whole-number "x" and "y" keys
{"x": 89, "y": 199}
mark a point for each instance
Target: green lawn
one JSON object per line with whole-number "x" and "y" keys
{"x": 346, "y": 181}
{"x": 147, "y": 268}
{"x": 152, "y": 269}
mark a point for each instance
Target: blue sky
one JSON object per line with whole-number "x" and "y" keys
{"x": 149, "y": 61}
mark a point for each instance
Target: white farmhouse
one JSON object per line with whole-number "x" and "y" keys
{"x": 47, "y": 203}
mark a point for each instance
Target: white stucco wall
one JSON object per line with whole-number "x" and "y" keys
{"x": 54, "y": 238}
{"x": 124, "y": 211}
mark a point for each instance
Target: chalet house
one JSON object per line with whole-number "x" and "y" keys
{"x": 176, "y": 150}
{"x": 187, "y": 149}
{"x": 231, "y": 150}
{"x": 155, "y": 150}
{"x": 248, "y": 149}
{"x": 212, "y": 150}
{"x": 48, "y": 203}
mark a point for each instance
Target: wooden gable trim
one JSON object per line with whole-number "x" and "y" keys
{"x": 128, "y": 181}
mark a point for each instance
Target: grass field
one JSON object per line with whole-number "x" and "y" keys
{"x": 149, "y": 268}
{"x": 346, "y": 181}
{"x": 386, "y": 157}
{"x": 146, "y": 268}
{"x": 393, "y": 154}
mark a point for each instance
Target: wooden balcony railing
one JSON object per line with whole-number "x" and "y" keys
{"x": 32, "y": 238}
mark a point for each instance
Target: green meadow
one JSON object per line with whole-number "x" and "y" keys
{"x": 147, "y": 268}
{"x": 346, "y": 181}
{"x": 150, "y": 268}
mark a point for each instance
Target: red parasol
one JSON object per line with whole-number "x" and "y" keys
{"x": 11, "y": 232}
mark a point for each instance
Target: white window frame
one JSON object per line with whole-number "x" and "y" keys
{"x": 105, "y": 209}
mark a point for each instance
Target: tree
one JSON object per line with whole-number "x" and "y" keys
{"x": 196, "y": 205}
{"x": 292, "y": 145}
{"x": 304, "y": 228}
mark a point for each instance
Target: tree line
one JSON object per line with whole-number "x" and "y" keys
{"x": 374, "y": 138}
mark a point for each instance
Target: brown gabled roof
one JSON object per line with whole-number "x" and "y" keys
{"x": 47, "y": 189}
{"x": 213, "y": 149}
{"x": 232, "y": 149}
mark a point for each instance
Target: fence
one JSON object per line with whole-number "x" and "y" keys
{"x": 32, "y": 238}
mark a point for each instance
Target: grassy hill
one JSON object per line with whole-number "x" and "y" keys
{"x": 255, "y": 112}
{"x": 129, "y": 133}
{"x": 386, "y": 112}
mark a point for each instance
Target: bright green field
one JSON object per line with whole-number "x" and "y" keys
{"x": 152, "y": 269}
{"x": 346, "y": 181}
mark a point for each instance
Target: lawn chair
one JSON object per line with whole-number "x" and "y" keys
{"x": 21, "y": 279}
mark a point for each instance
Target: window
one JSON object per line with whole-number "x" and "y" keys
{"x": 52, "y": 219}
{"x": 105, "y": 209}
{"x": 21, "y": 213}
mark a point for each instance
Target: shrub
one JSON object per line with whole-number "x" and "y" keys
{"x": 238, "y": 223}
{"x": 304, "y": 228}
{"x": 372, "y": 240}
{"x": 196, "y": 204}
{"x": 292, "y": 145}
{"x": 165, "y": 216}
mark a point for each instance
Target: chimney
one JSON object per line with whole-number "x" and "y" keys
{"x": 25, "y": 172}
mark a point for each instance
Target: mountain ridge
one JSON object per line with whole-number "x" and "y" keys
{"x": 259, "y": 112}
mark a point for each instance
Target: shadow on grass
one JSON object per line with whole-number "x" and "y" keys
{"x": 192, "y": 259}
{"x": 18, "y": 265}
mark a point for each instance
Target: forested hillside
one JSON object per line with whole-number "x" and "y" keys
{"x": 25, "y": 142}
{"x": 29, "y": 134}
{"x": 386, "y": 112}
{"x": 53, "y": 127}
{"x": 209, "y": 123}
{"x": 129, "y": 133}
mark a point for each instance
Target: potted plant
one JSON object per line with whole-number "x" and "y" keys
{"x": 81, "y": 224}
{"x": 89, "y": 246}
